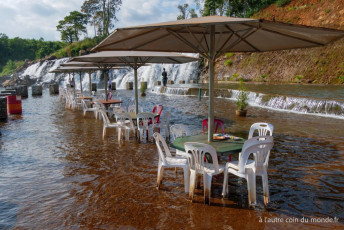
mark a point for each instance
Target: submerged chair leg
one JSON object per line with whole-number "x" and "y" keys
{"x": 104, "y": 132}
{"x": 160, "y": 175}
{"x": 207, "y": 188}
{"x": 225, "y": 183}
{"x": 265, "y": 188}
{"x": 251, "y": 187}
{"x": 119, "y": 133}
{"x": 192, "y": 184}
{"x": 186, "y": 179}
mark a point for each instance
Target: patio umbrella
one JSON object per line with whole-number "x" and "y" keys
{"x": 134, "y": 59}
{"x": 90, "y": 67}
{"x": 213, "y": 36}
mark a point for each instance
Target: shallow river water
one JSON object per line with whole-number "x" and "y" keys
{"x": 57, "y": 172}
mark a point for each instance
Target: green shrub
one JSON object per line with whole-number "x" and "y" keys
{"x": 10, "y": 67}
{"x": 341, "y": 79}
{"x": 299, "y": 78}
{"x": 228, "y": 62}
{"x": 242, "y": 97}
{"x": 229, "y": 55}
{"x": 264, "y": 77}
{"x": 281, "y": 3}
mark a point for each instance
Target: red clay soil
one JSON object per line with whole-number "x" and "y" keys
{"x": 320, "y": 65}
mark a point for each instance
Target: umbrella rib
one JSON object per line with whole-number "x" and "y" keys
{"x": 290, "y": 36}
{"x": 187, "y": 42}
{"x": 170, "y": 58}
{"x": 287, "y": 35}
{"x": 127, "y": 38}
{"x": 125, "y": 61}
{"x": 193, "y": 35}
{"x": 205, "y": 40}
{"x": 225, "y": 43}
{"x": 244, "y": 38}
{"x": 237, "y": 41}
{"x": 143, "y": 44}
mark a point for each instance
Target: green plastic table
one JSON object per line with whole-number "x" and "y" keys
{"x": 222, "y": 147}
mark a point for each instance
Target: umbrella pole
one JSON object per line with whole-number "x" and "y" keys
{"x": 80, "y": 82}
{"x": 105, "y": 83}
{"x": 90, "y": 81}
{"x": 211, "y": 84}
{"x": 136, "y": 93}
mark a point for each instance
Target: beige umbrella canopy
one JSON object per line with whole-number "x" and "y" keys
{"x": 73, "y": 70}
{"x": 92, "y": 67}
{"x": 215, "y": 35}
{"x": 134, "y": 59}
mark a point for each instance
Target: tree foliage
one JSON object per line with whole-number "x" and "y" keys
{"x": 186, "y": 12}
{"x": 102, "y": 14}
{"x": 19, "y": 49}
{"x": 234, "y": 8}
{"x": 72, "y": 26}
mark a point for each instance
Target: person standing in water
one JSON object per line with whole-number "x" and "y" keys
{"x": 109, "y": 84}
{"x": 164, "y": 77}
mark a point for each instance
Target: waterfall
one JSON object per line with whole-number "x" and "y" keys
{"x": 170, "y": 90}
{"x": 151, "y": 73}
{"x": 40, "y": 71}
{"x": 303, "y": 105}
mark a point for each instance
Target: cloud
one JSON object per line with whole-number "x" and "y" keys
{"x": 39, "y": 18}
{"x": 139, "y": 12}
{"x": 34, "y": 19}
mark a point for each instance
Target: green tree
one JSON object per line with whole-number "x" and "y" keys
{"x": 186, "y": 12}
{"x": 72, "y": 26}
{"x": 235, "y": 8}
{"x": 102, "y": 14}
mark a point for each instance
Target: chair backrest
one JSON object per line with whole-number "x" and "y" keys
{"x": 165, "y": 118}
{"x": 179, "y": 130}
{"x": 217, "y": 123}
{"x": 105, "y": 117}
{"x": 260, "y": 146}
{"x": 119, "y": 110}
{"x": 162, "y": 147}
{"x": 122, "y": 117}
{"x": 143, "y": 119}
{"x": 109, "y": 95}
{"x": 85, "y": 104}
{"x": 262, "y": 129}
{"x": 132, "y": 108}
{"x": 157, "y": 109}
{"x": 198, "y": 152}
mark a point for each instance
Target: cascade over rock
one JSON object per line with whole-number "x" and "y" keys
{"x": 38, "y": 73}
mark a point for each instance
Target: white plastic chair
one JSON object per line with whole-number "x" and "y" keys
{"x": 132, "y": 109}
{"x": 116, "y": 105}
{"x": 179, "y": 130}
{"x": 86, "y": 108}
{"x": 260, "y": 146}
{"x": 262, "y": 129}
{"x": 143, "y": 125}
{"x": 126, "y": 124}
{"x": 164, "y": 124}
{"x": 166, "y": 160}
{"x": 197, "y": 153}
{"x": 107, "y": 124}
{"x": 118, "y": 110}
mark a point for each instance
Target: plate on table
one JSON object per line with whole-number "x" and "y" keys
{"x": 218, "y": 136}
{"x": 228, "y": 136}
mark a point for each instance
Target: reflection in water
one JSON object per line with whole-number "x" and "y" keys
{"x": 56, "y": 171}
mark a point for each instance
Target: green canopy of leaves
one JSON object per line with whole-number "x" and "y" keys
{"x": 72, "y": 26}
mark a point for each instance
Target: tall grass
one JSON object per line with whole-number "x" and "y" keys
{"x": 281, "y": 3}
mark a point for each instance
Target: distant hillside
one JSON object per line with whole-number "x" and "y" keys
{"x": 314, "y": 65}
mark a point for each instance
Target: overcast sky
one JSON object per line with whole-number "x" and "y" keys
{"x": 39, "y": 18}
